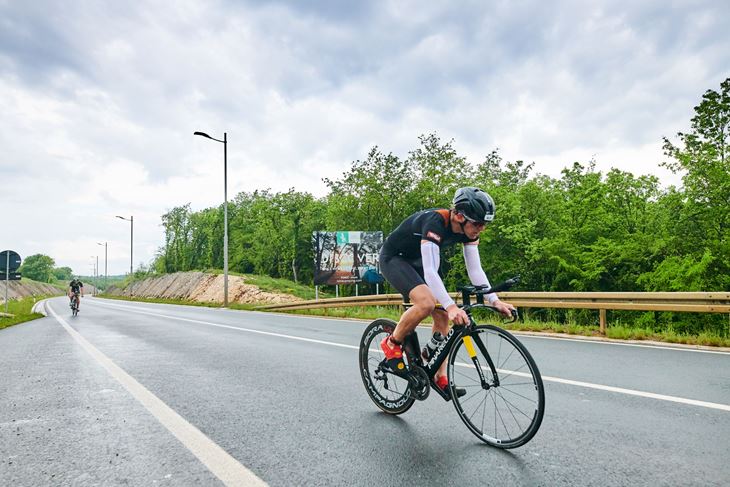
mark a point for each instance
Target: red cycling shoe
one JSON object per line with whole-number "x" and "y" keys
{"x": 393, "y": 355}
{"x": 391, "y": 349}
{"x": 443, "y": 383}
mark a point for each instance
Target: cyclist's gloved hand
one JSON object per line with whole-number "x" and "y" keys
{"x": 504, "y": 308}
{"x": 457, "y": 315}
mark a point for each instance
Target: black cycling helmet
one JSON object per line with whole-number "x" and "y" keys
{"x": 475, "y": 204}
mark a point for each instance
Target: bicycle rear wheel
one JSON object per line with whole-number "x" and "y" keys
{"x": 388, "y": 391}
{"x": 505, "y": 399}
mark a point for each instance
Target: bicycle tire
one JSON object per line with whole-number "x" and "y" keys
{"x": 517, "y": 401}
{"x": 392, "y": 395}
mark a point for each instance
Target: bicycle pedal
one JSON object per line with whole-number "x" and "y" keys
{"x": 396, "y": 366}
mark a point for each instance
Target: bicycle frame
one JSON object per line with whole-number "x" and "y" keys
{"x": 457, "y": 332}
{"x": 499, "y": 392}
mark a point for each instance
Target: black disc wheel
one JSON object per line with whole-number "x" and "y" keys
{"x": 388, "y": 391}
{"x": 505, "y": 399}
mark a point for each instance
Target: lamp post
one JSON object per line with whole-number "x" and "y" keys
{"x": 131, "y": 240}
{"x": 225, "y": 210}
{"x": 105, "y": 261}
{"x": 95, "y": 268}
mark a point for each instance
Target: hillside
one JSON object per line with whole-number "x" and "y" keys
{"x": 201, "y": 287}
{"x": 26, "y": 288}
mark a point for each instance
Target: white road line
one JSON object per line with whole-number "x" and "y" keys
{"x": 601, "y": 342}
{"x": 650, "y": 395}
{"x": 620, "y": 390}
{"x": 219, "y": 325}
{"x": 218, "y": 461}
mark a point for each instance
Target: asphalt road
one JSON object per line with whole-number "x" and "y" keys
{"x": 279, "y": 398}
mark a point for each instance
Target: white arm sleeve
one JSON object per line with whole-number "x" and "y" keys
{"x": 431, "y": 256}
{"x": 475, "y": 271}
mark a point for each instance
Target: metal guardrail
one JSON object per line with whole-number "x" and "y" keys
{"x": 693, "y": 302}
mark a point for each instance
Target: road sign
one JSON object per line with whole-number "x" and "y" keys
{"x": 13, "y": 262}
{"x": 13, "y": 276}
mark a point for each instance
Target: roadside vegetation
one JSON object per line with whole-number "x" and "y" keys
{"x": 613, "y": 330}
{"x": 530, "y": 321}
{"x": 21, "y": 311}
{"x": 184, "y": 302}
{"x": 585, "y": 230}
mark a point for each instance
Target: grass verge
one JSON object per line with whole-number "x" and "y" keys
{"x": 185, "y": 302}
{"x": 21, "y": 309}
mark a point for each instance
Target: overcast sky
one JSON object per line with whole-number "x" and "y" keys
{"x": 100, "y": 99}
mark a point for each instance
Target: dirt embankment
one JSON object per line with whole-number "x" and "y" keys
{"x": 201, "y": 287}
{"x": 23, "y": 289}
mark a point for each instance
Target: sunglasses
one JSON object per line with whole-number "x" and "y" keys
{"x": 476, "y": 223}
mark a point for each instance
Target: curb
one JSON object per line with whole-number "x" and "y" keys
{"x": 40, "y": 307}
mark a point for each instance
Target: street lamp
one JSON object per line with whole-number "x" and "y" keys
{"x": 105, "y": 260}
{"x": 225, "y": 210}
{"x": 96, "y": 270}
{"x": 131, "y": 240}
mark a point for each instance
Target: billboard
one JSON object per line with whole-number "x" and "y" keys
{"x": 346, "y": 257}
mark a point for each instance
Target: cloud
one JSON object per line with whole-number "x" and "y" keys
{"x": 100, "y": 99}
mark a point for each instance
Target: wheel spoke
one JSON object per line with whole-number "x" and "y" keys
{"x": 518, "y": 409}
{"x": 477, "y": 408}
{"x": 518, "y": 396}
{"x": 502, "y": 384}
{"x": 512, "y": 372}
{"x": 484, "y": 415}
{"x": 501, "y": 364}
{"x": 467, "y": 377}
{"x": 506, "y": 430}
{"x": 510, "y": 411}
{"x": 476, "y": 394}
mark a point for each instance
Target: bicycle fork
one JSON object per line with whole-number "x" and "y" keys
{"x": 469, "y": 345}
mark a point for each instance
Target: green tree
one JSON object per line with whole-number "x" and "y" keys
{"x": 38, "y": 267}
{"x": 177, "y": 239}
{"x": 63, "y": 273}
{"x": 375, "y": 194}
{"x": 441, "y": 171}
{"x": 701, "y": 228}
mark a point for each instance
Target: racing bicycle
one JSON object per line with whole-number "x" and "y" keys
{"x": 505, "y": 398}
{"x": 75, "y": 304}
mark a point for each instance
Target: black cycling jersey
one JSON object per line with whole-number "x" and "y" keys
{"x": 400, "y": 256}
{"x": 75, "y": 286}
{"x": 433, "y": 225}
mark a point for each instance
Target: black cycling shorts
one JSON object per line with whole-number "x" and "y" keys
{"x": 402, "y": 274}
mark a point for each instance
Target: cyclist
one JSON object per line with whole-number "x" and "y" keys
{"x": 410, "y": 260}
{"x": 74, "y": 288}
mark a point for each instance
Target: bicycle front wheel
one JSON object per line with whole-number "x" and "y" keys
{"x": 505, "y": 399}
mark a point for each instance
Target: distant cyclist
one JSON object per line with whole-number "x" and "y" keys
{"x": 75, "y": 287}
{"x": 410, "y": 260}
